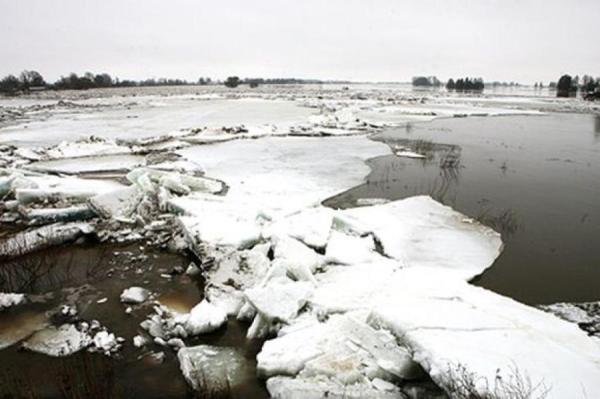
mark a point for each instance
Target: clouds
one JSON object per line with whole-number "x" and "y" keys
{"x": 346, "y": 39}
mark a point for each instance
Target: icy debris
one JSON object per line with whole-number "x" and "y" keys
{"x": 300, "y": 388}
{"x": 407, "y": 153}
{"x": 106, "y": 342}
{"x": 120, "y": 203}
{"x": 419, "y": 232}
{"x": 213, "y": 369}
{"x": 134, "y": 295}
{"x": 204, "y": 318}
{"x": 8, "y": 300}
{"x": 43, "y": 237}
{"x": 53, "y": 215}
{"x": 348, "y": 249}
{"x": 58, "y": 341}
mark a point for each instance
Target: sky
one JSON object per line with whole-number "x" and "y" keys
{"x": 369, "y": 40}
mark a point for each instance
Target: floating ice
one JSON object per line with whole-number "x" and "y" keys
{"x": 134, "y": 295}
{"x": 204, "y": 318}
{"x": 8, "y": 300}
{"x": 58, "y": 341}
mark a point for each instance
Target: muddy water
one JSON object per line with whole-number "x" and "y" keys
{"x": 86, "y": 274}
{"x": 534, "y": 179}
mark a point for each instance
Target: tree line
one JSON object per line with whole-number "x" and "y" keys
{"x": 32, "y": 80}
{"x": 29, "y": 81}
{"x": 466, "y": 84}
{"x": 568, "y": 86}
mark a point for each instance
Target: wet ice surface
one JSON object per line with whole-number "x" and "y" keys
{"x": 534, "y": 179}
{"x": 315, "y": 282}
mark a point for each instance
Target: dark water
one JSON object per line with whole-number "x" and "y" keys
{"x": 103, "y": 271}
{"x": 535, "y": 179}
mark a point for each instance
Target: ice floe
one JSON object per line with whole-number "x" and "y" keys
{"x": 8, "y": 299}
{"x": 63, "y": 340}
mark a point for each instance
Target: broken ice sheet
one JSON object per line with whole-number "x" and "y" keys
{"x": 214, "y": 370}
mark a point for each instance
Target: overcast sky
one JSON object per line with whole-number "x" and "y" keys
{"x": 377, "y": 40}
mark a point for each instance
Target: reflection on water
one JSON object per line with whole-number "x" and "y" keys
{"x": 536, "y": 180}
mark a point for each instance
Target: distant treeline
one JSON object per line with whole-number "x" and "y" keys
{"x": 459, "y": 85}
{"x": 235, "y": 81}
{"x": 466, "y": 84}
{"x": 426, "y": 81}
{"x": 568, "y": 86}
{"x": 32, "y": 80}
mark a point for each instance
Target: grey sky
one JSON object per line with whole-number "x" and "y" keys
{"x": 523, "y": 41}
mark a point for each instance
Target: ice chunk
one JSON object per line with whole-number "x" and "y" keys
{"x": 311, "y": 226}
{"x": 409, "y": 154}
{"x": 174, "y": 181}
{"x": 53, "y": 215}
{"x": 134, "y": 295}
{"x": 58, "y": 341}
{"x": 344, "y": 348}
{"x": 279, "y": 301}
{"x": 204, "y": 318}
{"x": 52, "y": 188}
{"x": 348, "y": 249}
{"x": 299, "y": 260}
{"x": 42, "y": 237}
{"x": 8, "y": 300}
{"x": 218, "y": 222}
{"x": 120, "y": 203}
{"x": 213, "y": 369}
{"x": 106, "y": 342}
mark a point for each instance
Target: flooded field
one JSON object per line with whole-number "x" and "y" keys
{"x": 534, "y": 179}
